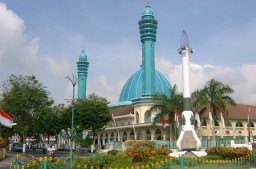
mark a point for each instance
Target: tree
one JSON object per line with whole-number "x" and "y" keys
{"x": 165, "y": 106}
{"x": 95, "y": 97}
{"x": 22, "y": 97}
{"x": 214, "y": 95}
{"x": 89, "y": 114}
{"x": 93, "y": 115}
{"x": 47, "y": 123}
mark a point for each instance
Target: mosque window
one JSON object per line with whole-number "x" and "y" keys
{"x": 216, "y": 123}
{"x": 250, "y": 124}
{"x": 239, "y": 124}
{"x": 204, "y": 122}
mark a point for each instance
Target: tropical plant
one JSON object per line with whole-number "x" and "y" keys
{"x": 214, "y": 95}
{"x": 165, "y": 106}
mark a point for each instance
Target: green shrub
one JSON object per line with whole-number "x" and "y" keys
{"x": 112, "y": 152}
{"x": 212, "y": 157}
{"x": 227, "y": 152}
{"x": 143, "y": 151}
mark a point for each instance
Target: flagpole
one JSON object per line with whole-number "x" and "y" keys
{"x": 249, "y": 132}
{"x": 133, "y": 126}
{"x": 117, "y": 130}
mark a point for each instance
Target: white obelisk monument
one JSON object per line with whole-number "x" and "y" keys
{"x": 188, "y": 139}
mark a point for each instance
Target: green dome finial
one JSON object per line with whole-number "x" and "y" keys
{"x": 147, "y": 11}
{"x": 83, "y": 55}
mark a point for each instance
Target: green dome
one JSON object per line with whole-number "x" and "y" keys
{"x": 83, "y": 55}
{"x": 133, "y": 87}
{"x": 147, "y": 11}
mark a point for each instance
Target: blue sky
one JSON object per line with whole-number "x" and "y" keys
{"x": 45, "y": 38}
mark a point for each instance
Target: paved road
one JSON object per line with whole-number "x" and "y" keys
{"x": 5, "y": 163}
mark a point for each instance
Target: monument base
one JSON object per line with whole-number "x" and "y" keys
{"x": 188, "y": 139}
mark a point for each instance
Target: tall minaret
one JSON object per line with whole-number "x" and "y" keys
{"x": 148, "y": 27}
{"x": 82, "y": 71}
{"x": 188, "y": 140}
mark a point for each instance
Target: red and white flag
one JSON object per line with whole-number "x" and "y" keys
{"x": 6, "y": 120}
{"x": 176, "y": 117}
{"x": 197, "y": 118}
{"x": 210, "y": 119}
{"x": 163, "y": 121}
{"x": 222, "y": 118}
{"x": 117, "y": 129}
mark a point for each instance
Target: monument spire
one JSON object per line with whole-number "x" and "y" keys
{"x": 82, "y": 71}
{"x": 188, "y": 140}
{"x": 148, "y": 27}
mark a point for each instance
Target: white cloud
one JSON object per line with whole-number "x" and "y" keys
{"x": 239, "y": 78}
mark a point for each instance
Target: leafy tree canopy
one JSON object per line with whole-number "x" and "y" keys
{"x": 22, "y": 97}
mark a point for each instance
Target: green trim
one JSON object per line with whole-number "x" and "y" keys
{"x": 187, "y": 104}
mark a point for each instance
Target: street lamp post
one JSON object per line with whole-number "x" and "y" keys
{"x": 73, "y": 80}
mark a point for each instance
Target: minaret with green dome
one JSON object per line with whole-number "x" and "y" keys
{"x": 148, "y": 27}
{"x": 82, "y": 71}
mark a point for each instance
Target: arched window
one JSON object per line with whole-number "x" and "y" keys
{"x": 227, "y": 123}
{"x": 204, "y": 122}
{"x": 125, "y": 136}
{"x": 132, "y": 135}
{"x": 216, "y": 123}
{"x": 239, "y": 124}
{"x": 147, "y": 117}
{"x": 250, "y": 124}
{"x": 158, "y": 134}
{"x": 148, "y": 133}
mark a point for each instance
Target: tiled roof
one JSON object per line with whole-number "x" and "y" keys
{"x": 122, "y": 110}
{"x": 239, "y": 111}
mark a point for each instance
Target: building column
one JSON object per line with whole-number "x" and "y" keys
{"x": 152, "y": 131}
{"x": 103, "y": 138}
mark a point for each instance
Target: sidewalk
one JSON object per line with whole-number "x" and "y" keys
{"x": 6, "y": 162}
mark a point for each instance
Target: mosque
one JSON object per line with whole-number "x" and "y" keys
{"x": 131, "y": 121}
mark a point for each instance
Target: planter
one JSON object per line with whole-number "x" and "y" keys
{"x": 2, "y": 153}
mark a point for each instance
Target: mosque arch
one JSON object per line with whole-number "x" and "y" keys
{"x": 250, "y": 124}
{"x": 137, "y": 118}
{"x": 106, "y": 138}
{"x": 147, "y": 117}
{"x": 216, "y": 123}
{"x": 132, "y": 137}
{"x": 158, "y": 135}
{"x": 239, "y": 124}
{"x": 148, "y": 135}
{"x": 227, "y": 123}
{"x": 112, "y": 137}
{"x": 204, "y": 123}
{"x": 125, "y": 136}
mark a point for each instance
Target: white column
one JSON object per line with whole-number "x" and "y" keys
{"x": 185, "y": 73}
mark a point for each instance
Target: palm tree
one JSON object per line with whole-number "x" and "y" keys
{"x": 214, "y": 95}
{"x": 165, "y": 106}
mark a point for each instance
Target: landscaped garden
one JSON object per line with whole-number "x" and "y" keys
{"x": 143, "y": 154}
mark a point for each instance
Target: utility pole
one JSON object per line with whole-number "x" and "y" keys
{"x": 73, "y": 80}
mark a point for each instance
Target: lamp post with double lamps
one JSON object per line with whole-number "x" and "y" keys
{"x": 74, "y": 81}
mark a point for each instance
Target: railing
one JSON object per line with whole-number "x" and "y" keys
{"x": 181, "y": 162}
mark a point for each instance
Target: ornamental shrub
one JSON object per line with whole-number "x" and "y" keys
{"x": 2, "y": 142}
{"x": 228, "y": 152}
{"x": 143, "y": 151}
{"x": 112, "y": 152}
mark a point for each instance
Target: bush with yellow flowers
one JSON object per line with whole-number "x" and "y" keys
{"x": 2, "y": 142}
